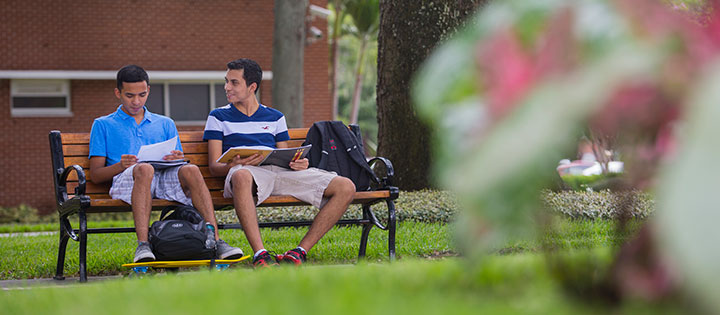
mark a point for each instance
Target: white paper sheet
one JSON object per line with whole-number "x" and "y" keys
{"x": 156, "y": 151}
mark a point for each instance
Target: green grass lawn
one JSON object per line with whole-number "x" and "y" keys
{"x": 516, "y": 279}
{"x": 506, "y": 284}
{"x": 34, "y": 257}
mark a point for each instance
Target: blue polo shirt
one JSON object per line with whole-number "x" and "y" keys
{"x": 118, "y": 133}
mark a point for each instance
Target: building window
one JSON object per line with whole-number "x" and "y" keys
{"x": 187, "y": 103}
{"x": 38, "y": 98}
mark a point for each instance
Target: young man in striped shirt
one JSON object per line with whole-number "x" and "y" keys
{"x": 245, "y": 122}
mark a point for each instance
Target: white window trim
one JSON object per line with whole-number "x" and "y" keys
{"x": 156, "y": 77}
{"x": 40, "y": 111}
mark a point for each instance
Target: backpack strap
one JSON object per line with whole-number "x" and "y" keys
{"x": 165, "y": 211}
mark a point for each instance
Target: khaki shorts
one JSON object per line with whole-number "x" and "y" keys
{"x": 307, "y": 185}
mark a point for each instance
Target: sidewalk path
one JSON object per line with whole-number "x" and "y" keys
{"x": 27, "y": 234}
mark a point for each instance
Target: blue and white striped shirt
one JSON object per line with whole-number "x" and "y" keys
{"x": 265, "y": 127}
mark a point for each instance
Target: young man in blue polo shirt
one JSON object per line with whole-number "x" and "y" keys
{"x": 245, "y": 122}
{"x": 115, "y": 140}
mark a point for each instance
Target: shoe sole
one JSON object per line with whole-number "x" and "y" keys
{"x": 232, "y": 256}
{"x": 144, "y": 259}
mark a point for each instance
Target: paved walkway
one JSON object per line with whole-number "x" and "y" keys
{"x": 24, "y": 234}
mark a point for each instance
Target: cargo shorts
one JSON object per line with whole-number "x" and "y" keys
{"x": 307, "y": 185}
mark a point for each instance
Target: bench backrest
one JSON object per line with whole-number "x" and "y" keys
{"x": 75, "y": 151}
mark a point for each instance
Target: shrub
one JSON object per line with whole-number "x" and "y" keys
{"x": 20, "y": 214}
{"x": 418, "y": 206}
{"x": 598, "y": 205}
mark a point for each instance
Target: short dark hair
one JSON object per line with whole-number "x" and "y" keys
{"x": 131, "y": 74}
{"x": 252, "y": 72}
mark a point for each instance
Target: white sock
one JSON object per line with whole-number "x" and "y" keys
{"x": 302, "y": 249}
{"x": 259, "y": 252}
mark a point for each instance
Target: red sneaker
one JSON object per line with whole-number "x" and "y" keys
{"x": 295, "y": 256}
{"x": 264, "y": 260}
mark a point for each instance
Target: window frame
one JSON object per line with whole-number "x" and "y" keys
{"x": 16, "y": 86}
{"x": 167, "y": 108}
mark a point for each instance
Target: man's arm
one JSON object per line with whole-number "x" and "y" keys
{"x": 221, "y": 169}
{"x": 102, "y": 173}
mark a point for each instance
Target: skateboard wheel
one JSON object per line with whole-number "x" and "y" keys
{"x": 140, "y": 269}
{"x": 222, "y": 266}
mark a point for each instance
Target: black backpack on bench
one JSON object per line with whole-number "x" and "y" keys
{"x": 335, "y": 148}
{"x": 182, "y": 235}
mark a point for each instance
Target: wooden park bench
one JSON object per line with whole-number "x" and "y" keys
{"x": 76, "y": 194}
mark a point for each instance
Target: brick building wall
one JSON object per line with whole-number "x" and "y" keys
{"x": 169, "y": 35}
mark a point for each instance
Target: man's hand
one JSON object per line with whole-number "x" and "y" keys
{"x": 299, "y": 165}
{"x": 253, "y": 160}
{"x": 176, "y": 155}
{"x": 127, "y": 160}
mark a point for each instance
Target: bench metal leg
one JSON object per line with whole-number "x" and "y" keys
{"x": 365, "y": 232}
{"x": 391, "y": 229}
{"x": 83, "y": 246}
{"x": 64, "y": 237}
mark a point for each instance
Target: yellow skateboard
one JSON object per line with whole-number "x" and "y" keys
{"x": 220, "y": 264}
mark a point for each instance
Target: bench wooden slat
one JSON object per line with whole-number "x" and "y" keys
{"x": 103, "y": 204}
{"x": 218, "y": 193}
{"x": 204, "y": 170}
{"x": 199, "y": 159}
{"x": 91, "y": 188}
{"x": 185, "y": 136}
{"x": 72, "y": 150}
{"x": 298, "y": 133}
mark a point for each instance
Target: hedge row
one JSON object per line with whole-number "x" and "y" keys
{"x": 423, "y": 206}
{"x": 600, "y": 205}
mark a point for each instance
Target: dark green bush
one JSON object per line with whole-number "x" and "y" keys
{"x": 599, "y": 205}
{"x": 20, "y": 214}
{"x": 419, "y": 206}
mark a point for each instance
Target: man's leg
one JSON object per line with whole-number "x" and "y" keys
{"x": 242, "y": 184}
{"x": 341, "y": 191}
{"x": 191, "y": 180}
{"x": 141, "y": 199}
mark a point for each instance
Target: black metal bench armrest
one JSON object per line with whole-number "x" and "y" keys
{"x": 68, "y": 206}
{"x": 62, "y": 181}
{"x": 385, "y": 180}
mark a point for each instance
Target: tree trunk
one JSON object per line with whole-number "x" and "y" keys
{"x": 287, "y": 59}
{"x": 334, "y": 58}
{"x": 402, "y": 47}
{"x": 358, "y": 82}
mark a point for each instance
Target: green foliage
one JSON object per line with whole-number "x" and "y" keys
{"x": 417, "y": 206}
{"x": 22, "y": 214}
{"x": 687, "y": 195}
{"x": 365, "y": 15}
{"x": 431, "y": 206}
{"x": 599, "y": 205}
{"x": 509, "y": 143}
{"x": 348, "y": 48}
